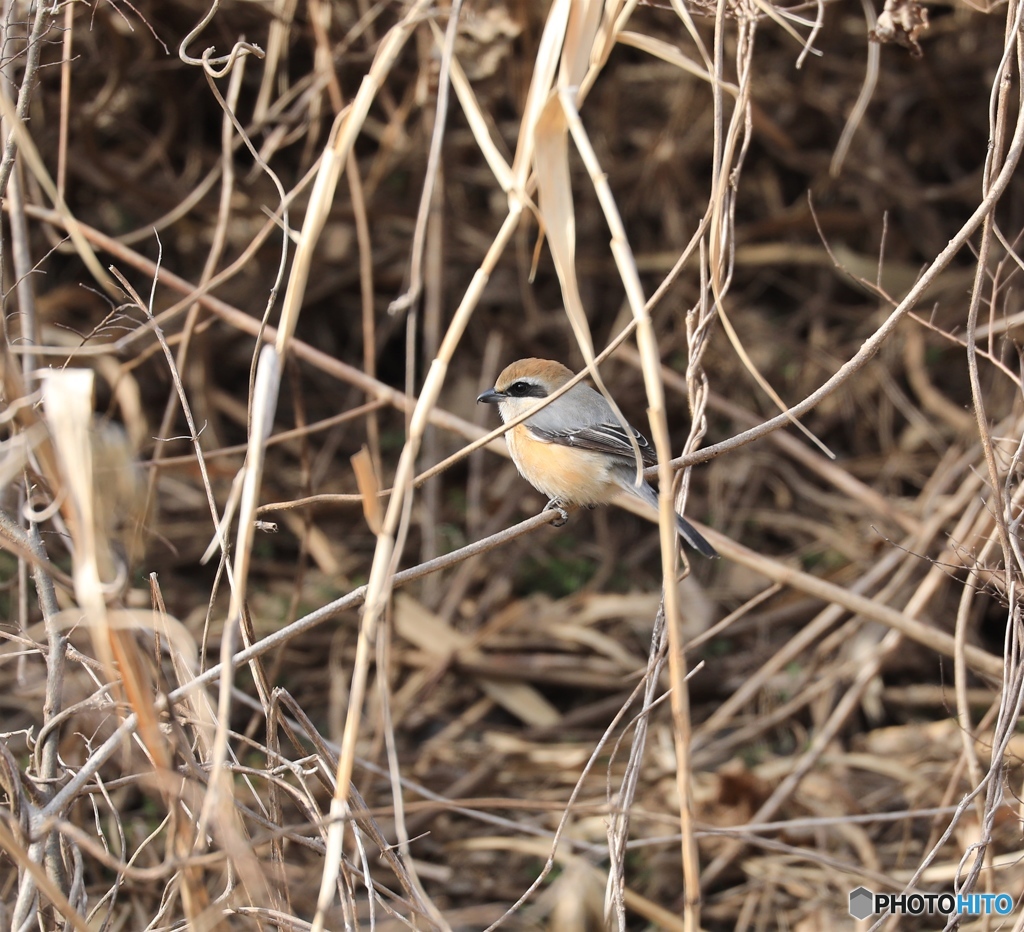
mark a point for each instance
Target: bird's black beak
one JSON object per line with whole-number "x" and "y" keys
{"x": 491, "y": 397}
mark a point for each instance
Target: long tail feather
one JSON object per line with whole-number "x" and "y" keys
{"x": 686, "y": 530}
{"x": 693, "y": 537}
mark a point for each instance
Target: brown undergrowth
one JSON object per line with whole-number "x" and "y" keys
{"x": 287, "y": 643}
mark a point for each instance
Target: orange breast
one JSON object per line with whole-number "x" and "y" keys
{"x": 573, "y": 476}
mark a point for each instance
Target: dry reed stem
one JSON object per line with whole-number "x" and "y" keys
{"x": 650, "y": 363}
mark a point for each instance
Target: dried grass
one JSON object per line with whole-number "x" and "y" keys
{"x": 220, "y": 713}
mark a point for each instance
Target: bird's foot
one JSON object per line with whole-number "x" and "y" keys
{"x": 563, "y": 515}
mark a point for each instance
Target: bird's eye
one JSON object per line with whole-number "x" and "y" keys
{"x": 520, "y": 389}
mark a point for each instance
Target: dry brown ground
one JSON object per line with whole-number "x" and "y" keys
{"x": 812, "y": 218}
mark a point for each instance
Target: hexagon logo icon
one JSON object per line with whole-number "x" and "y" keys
{"x": 862, "y": 903}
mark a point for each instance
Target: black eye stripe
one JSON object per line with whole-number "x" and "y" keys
{"x": 524, "y": 389}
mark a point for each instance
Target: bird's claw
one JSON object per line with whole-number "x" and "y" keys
{"x": 563, "y": 515}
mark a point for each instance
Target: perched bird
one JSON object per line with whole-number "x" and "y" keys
{"x": 574, "y": 450}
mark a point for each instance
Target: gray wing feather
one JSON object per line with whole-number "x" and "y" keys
{"x": 594, "y": 426}
{"x": 605, "y": 438}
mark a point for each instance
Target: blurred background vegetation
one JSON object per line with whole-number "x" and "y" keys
{"x": 504, "y": 672}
